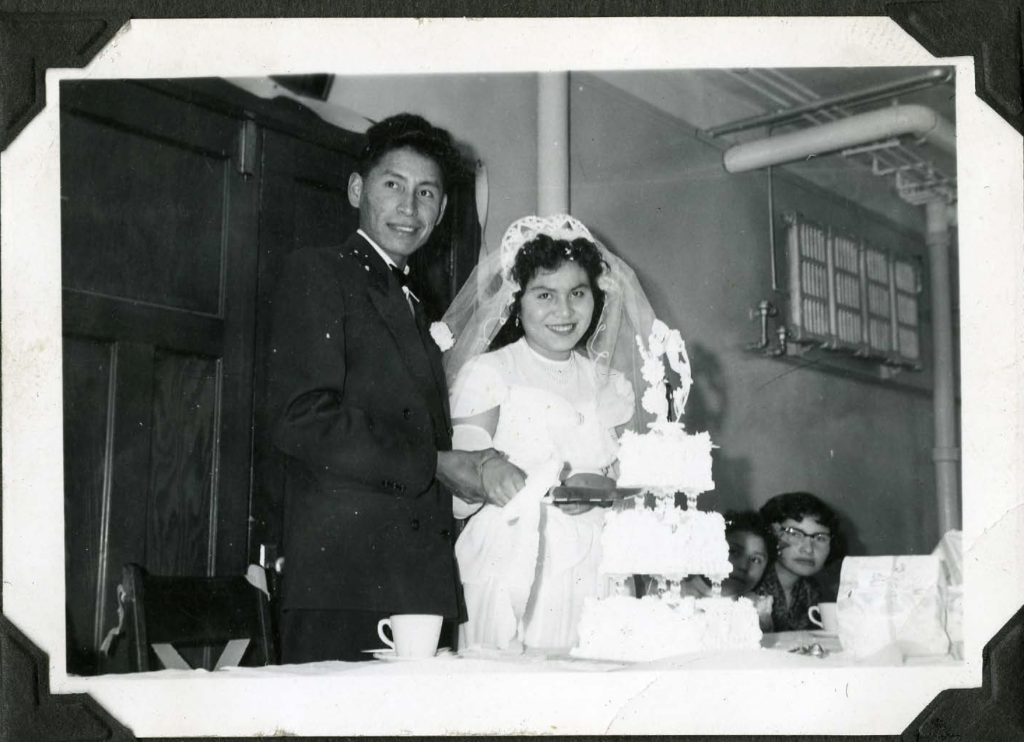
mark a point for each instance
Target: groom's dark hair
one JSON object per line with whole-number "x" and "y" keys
{"x": 544, "y": 253}
{"x": 416, "y": 133}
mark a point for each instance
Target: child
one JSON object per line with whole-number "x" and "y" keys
{"x": 806, "y": 529}
{"x": 751, "y": 544}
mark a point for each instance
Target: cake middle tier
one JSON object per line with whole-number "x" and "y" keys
{"x": 672, "y": 543}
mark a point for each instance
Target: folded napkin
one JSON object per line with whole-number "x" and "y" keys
{"x": 950, "y": 552}
{"x": 892, "y": 600}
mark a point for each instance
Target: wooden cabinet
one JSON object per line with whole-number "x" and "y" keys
{"x": 179, "y": 201}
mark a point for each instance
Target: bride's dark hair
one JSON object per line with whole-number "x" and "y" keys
{"x": 543, "y": 253}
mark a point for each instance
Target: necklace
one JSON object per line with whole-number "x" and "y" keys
{"x": 561, "y": 372}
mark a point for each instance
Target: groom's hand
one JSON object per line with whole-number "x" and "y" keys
{"x": 480, "y": 476}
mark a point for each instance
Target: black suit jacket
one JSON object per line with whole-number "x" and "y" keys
{"x": 361, "y": 408}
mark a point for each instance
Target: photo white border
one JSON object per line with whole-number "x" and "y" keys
{"x": 861, "y": 700}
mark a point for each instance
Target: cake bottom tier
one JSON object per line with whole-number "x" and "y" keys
{"x": 651, "y": 628}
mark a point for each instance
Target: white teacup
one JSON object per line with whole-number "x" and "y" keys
{"x": 825, "y": 616}
{"x": 415, "y": 634}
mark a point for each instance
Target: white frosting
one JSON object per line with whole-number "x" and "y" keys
{"x": 666, "y": 541}
{"x": 673, "y": 543}
{"x": 624, "y": 628}
{"x": 666, "y": 458}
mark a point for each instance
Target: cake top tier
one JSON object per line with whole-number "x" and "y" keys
{"x": 663, "y": 399}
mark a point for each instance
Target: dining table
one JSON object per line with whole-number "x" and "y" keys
{"x": 487, "y": 691}
{"x": 778, "y": 651}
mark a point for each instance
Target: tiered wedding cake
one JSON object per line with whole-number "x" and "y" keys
{"x": 662, "y": 541}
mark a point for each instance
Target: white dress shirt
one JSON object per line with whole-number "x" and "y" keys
{"x": 409, "y": 295}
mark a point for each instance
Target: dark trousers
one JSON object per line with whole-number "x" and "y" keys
{"x": 316, "y": 636}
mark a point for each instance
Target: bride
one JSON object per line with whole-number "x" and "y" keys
{"x": 544, "y": 369}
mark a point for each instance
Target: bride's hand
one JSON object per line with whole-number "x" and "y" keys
{"x": 588, "y": 479}
{"x": 501, "y": 480}
{"x": 584, "y": 479}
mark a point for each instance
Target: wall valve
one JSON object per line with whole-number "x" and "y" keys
{"x": 764, "y": 310}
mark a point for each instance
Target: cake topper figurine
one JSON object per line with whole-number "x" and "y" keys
{"x": 663, "y": 400}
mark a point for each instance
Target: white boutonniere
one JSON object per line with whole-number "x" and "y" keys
{"x": 442, "y": 335}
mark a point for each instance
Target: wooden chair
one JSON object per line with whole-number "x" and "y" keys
{"x": 164, "y": 614}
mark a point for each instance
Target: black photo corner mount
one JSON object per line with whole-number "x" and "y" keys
{"x": 29, "y": 712}
{"x": 31, "y": 43}
{"x": 42, "y": 35}
{"x": 995, "y": 711}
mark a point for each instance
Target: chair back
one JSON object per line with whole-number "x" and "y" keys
{"x": 164, "y": 614}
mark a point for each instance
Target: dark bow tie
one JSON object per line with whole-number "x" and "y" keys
{"x": 403, "y": 281}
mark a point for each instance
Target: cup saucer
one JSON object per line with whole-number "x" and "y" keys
{"x": 388, "y": 655}
{"x": 824, "y": 634}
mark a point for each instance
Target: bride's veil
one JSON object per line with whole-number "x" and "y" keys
{"x": 482, "y": 306}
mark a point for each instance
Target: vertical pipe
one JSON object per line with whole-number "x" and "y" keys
{"x": 552, "y": 143}
{"x": 771, "y": 232}
{"x": 894, "y": 309}
{"x": 865, "y": 312}
{"x": 796, "y": 287}
{"x": 946, "y": 453}
{"x": 830, "y": 282}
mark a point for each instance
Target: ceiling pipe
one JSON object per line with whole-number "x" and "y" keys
{"x": 805, "y": 98}
{"x": 853, "y": 131}
{"x": 864, "y": 95}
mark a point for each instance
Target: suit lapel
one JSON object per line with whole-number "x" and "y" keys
{"x": 394, "y": 311}
{"x": 436, "y": 364}
{"x": 418, "y": 350}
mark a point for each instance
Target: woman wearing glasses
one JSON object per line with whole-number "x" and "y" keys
{"x": 806, "y": 529}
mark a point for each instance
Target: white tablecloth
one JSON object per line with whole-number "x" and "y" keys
{"x": 533, "y": 693}
{"x": 779, "y": 651}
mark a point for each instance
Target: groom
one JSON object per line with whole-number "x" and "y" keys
{"x": 361, "y": 414}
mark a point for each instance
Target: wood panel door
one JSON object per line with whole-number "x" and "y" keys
{"x": 159, "y": 277}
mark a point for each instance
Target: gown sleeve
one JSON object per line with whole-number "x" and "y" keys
{"x": 617, "y": 401}
{"x": 478, "y": 387}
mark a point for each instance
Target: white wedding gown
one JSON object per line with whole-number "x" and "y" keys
{"x": 527, "y": 567}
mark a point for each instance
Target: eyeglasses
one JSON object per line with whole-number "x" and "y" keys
{"x": 799, "y": 537}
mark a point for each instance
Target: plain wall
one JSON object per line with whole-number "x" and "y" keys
{"x": 697, "y": 238}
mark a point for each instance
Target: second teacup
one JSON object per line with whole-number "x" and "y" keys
{"x": 825, "y": 616}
